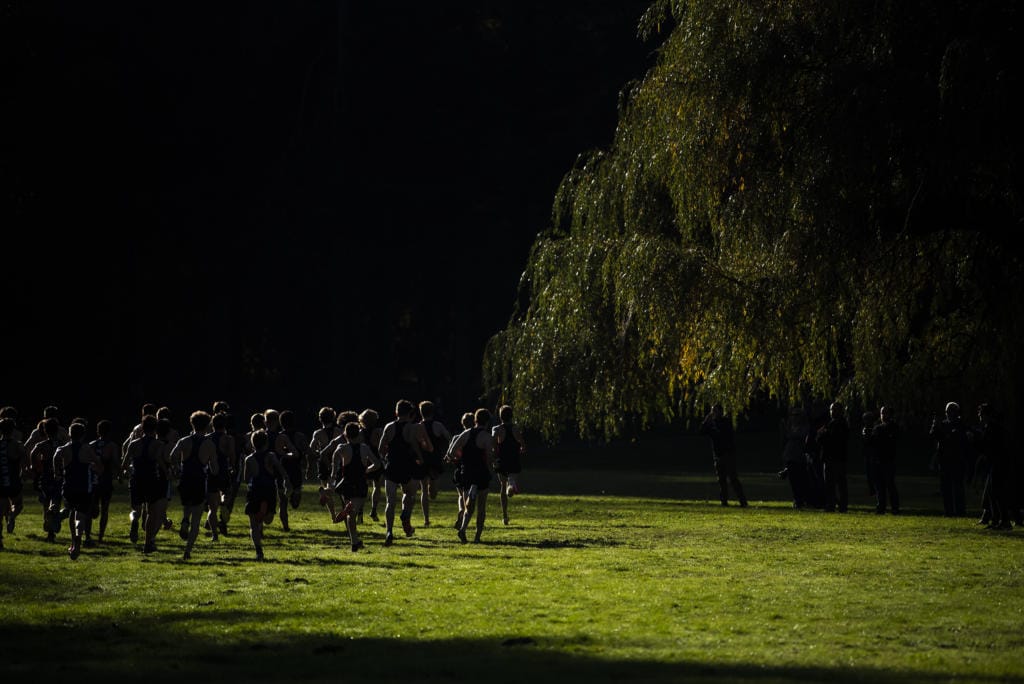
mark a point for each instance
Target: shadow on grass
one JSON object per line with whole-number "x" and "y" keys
{"x": 138, "y": 650}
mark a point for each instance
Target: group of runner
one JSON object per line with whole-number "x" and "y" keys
{"x": 350, "y": 455}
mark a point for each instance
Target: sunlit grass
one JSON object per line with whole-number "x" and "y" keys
{"x": 650, "y": 580}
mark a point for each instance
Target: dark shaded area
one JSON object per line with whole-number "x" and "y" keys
{"x": 326, "y": 657}
{"x": 287, "y": 205}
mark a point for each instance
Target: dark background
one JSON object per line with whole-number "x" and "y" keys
{"x": 285, "y": 204}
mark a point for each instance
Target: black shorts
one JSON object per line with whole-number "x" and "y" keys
{"x": 399, "y": 473}
{"x": 11, "y": 492}
{"x": 192, "y": 492}
{"x": 256, "y": 497}
{"x": 352, "y": 490}
{"x": 78, "y": 499}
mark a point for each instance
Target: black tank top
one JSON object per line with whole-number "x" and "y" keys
{"x": 355, "y": 471}
{"x": 264, "y": 478}
{"x": 472, "y": 455}
{"x": 509, "y": 448}
{"x": 399, "y": 451}
{"x": 143, "y": 466}
{"x": 77, "y": 475}
{"x": 192, "y": 468}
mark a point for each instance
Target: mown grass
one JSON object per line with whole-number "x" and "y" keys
{"x": 603, "y": 575}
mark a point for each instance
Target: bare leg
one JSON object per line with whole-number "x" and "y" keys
{"x": 481, "y": 514}
{"x": 408, "y": 501}
{"x": 503, "y": 496}
{"x": 425, "y": 501}
{"x": 350, "y": 523}
{"x": 391, "y": 491}
{"x": 213, "y": 503}
{"x": 154, "y": 521}
{"x": 374, "y": 499}
{"x": 192, "y": 515}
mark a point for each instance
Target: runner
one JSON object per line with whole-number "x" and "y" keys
{"x": 457, "y": 469}
{"x": 14, "y": 459}
{"x": 45, "y": 480}
{"x": 439, "y": 438}
{"x": 293, "y": 463}
{"x": 197, "y": 456}
{"x": 351, "y": 462}
{"x": 323, "y": 437}
{"x": 219, "y": 481}
{"x": 73, "y": 464}
{"x": 475, "y": 450}
{"x": 261, "y": 472}
{"x": 510, "y": 447}
{"x": 370, "y": 432}
{"x": 150, "y": 466}
{"x": 285, "y": 451}
{"x": 400, "y": 450}
{"x": 107, "y": 450}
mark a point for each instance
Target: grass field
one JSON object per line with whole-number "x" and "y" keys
{"x": 603, "y": 575}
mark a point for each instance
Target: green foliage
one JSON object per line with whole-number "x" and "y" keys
{"x": 801, "y": 199}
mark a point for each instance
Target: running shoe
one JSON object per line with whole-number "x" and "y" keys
{"x": 389, "y": 539}
{"x": 407, "y": 528}
{"x": 358, "y": 545}
{"x": 133, "y": 531}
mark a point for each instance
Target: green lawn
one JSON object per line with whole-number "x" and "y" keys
{"x": 604, "y": 575}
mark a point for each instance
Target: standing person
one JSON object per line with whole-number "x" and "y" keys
{"x": 150, "y": 459}
{"x": 351, "y": 461}
{"x": 371, "y": 432}
{"x": 219, "y": 480}
{"x": 14, "y": 459}
{"x": 474, "y": 450}
{"x": 952, "y": 456}
{"x": 107, "y": 450}
{"x": 511, "y": 447}
{"x": 47, "y": 482}
{"x": 74, "y": 464}
{"x": 868, "y": 420}
{"x": 794, "y": 431}
{"x": 433, "y": 456}
{"x": 400, "y": 450}
{"x": 990, "y": 442}
{"x": 194, "y": 455}
{"x": 261, "y": 472}
{"x": 723, "y": 445}
{"x": 833, "y": 438}
{"x": 884, "y": 439}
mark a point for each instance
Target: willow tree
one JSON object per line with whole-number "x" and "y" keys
{"x": 800, "y": 197}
